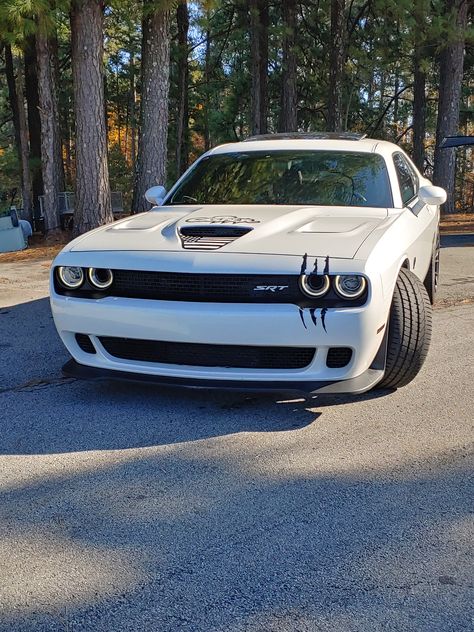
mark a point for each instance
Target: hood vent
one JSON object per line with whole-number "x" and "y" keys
{"x": 210, "y": 237}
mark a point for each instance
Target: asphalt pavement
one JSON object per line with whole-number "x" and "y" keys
{"x": 127, "y": 507}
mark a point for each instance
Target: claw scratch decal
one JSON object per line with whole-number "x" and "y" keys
{"x": 323, "y": 318}
{"x": 326, "y": 266}
{"x": 304, "y": 264}
{"x": 302, "y": 317}
{"x": 312, "y": 310}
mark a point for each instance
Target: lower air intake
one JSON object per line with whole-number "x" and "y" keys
{"x": 338, "y": 357}
{"x": 224, "y": 356}
{"x": 85, "y": 343}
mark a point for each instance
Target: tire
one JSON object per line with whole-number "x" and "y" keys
{"x": 432, "y": 276}
{"x": 409, "y": 331}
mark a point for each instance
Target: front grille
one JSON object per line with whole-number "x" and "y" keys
{"x": 201, "y": 287}
{"x": 85, "y": 343}
{"x": 210, "y": 237}
{"x": 192, "y": 354}
{"x": 217, "y": 288}
{"x": 338, "y": 357}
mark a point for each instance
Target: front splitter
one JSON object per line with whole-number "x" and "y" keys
{"x": 359, "y": 384}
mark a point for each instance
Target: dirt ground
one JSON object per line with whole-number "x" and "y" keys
{"x": 457, "y": 223}
{"x": 37, "y": 249}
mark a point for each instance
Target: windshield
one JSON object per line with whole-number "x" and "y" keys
{"x": 331, "y": 178}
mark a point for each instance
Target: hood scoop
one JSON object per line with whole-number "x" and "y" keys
{"x": 210, "y": 237}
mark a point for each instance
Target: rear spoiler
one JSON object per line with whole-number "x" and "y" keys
{"x": 456, "y": 141}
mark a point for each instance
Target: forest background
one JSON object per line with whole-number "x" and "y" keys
{"x": 118, "y": 96}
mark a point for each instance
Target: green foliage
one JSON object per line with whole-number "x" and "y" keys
{"x": 120, "y": 174}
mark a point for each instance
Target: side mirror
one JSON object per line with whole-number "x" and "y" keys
{"x": 434, "y": 196}
{"x": 156, "y": 195}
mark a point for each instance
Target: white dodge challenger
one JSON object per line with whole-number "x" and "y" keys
{"x": 300, "y": 262}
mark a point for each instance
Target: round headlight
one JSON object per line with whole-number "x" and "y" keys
{"x": 350, "y": 285}
{"x": 101, "y": 278}
{"x": 314, "y": 285}
{"x": 71, "y": 277}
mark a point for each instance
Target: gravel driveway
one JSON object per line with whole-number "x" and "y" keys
{"x": 125, "y": 507}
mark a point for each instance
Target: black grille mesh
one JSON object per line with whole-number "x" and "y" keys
{"x": 192, "y": 354}
{"x": 218, "y": 288}
{"x": 338, "y": 357}
{"x": 85, "y": 343}
{"x": 210, "y": 237}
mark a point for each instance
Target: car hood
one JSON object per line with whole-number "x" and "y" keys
{"x": 280, "y": 230}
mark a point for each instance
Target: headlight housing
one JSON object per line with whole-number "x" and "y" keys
{"x": 101, "y": 278}
{"x": 315, "y": 285}
{"x": 350, "y": 286}
{"x": 70, "y": 277}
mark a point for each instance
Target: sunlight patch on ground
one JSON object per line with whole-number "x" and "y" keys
{"x": 48, "y": 565}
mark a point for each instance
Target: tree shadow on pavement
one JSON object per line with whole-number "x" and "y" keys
{"x": 186, "y": 540}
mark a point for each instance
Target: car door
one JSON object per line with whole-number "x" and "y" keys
{"x": 425, "y": 217}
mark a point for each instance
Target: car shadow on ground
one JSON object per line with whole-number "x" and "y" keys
{"x": 47, "y": 413}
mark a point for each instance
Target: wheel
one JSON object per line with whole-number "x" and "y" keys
{"x": 409, "y": 331}
{"x": 432, "y": 276}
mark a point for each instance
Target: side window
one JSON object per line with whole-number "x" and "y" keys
{"x": 406, "y": 178}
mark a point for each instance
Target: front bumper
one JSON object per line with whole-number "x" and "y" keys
{"x": 361, "y": 329}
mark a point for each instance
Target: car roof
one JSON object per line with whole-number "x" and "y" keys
{"x": 308, "y": 136}
{"x": 309, "y": 141}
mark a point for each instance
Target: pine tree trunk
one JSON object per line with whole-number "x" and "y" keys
{"x": 420, "y": 54}
{"x": 48, "y": 109}
{"x": 20, "y": 127}
{"x": 288, "y": 116}
{"x": 58, "y": 150}
{"x": 34, "y": 122}
{"x": 336, "y": 64}
{"x": 382, "y": 105}
{"x": 133, "y": 123}
{"x": 396, "y": 101}
{"x": 12, "y": 95}
{"x": 450, "y": 81}
{"x": 153, "y": 132}
{"x": 92, "y": 202}
{"x": 68, "y": 168}
{"x": 24, "y": 151}
{"x": 419, "y": 110}
{"x": 259, "y": 64}
{"x": 182, "y": 19}
{"x": 130, "y": 114}
{"x": 207, "y": 80}
{"x": 264, "y": 26}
